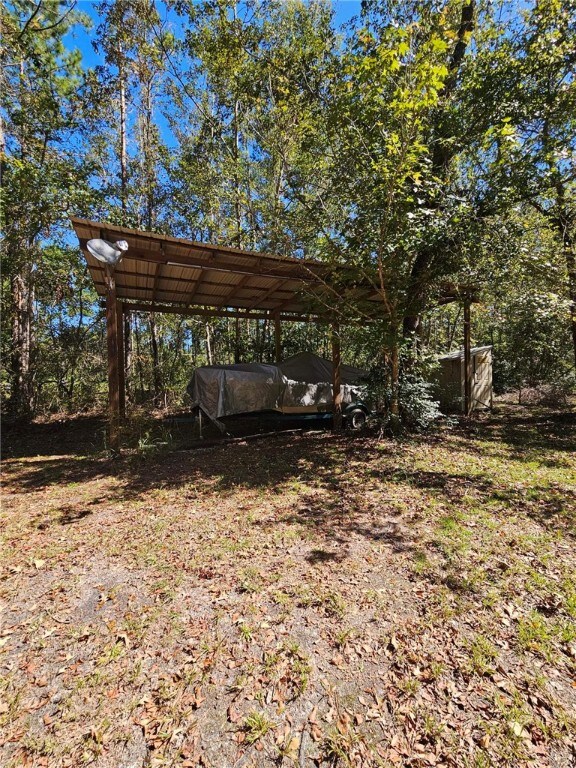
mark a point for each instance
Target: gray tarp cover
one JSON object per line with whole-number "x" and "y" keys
{"x": 302, "y": 382}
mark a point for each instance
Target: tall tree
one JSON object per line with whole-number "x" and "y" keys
{"x": 524, "y": 88}
{"x": 135, "y": 45}
{"x": 384, "y": 205}
{"x": 43, "y": 173}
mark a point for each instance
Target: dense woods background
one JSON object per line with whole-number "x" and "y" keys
{"x": 421, "y": 143}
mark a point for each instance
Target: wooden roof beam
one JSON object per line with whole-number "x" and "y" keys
{"x": 284, "y": 304}
{"x": 182, "y": 302}
{"x": 268, "y": 292}
{"x": 122, "y": 272}
{"x": 183, "y": 281}
{"x": 233, "y": 289}
{"x": 112, "y": 231}
{"x": 207, "y": 263}
{"x": 121, "y": 288}
{"x": 194, "y": 290}
{"x": 207, "y": 312}
{"x": 156, "y": 280}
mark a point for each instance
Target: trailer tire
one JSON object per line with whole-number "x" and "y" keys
{"x": 356, "y": 418}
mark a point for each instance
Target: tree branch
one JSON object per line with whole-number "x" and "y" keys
{"x": 30, "y": 20}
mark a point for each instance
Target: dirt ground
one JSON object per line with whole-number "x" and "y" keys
{"x": 301, "y": 600}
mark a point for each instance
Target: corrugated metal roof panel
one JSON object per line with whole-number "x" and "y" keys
{"x": 159, "y": 268}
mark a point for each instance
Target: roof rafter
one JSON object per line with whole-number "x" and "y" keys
{"x": 135, "y": 306}
{"x": 268, "y": 292}
{"x": 158, "y": 269}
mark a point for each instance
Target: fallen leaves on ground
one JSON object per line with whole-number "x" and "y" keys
{"x": 308, "y": 600}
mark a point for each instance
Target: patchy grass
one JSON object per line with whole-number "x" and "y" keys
{"x": 256, "y": 726}
{"x": 312, "y": 600}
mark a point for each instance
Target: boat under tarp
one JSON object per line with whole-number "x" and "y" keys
{"x": 300, "y": 384}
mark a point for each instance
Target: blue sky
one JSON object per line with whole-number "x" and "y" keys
{"x": 82, "y": 38}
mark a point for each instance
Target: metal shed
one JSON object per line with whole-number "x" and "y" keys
{"x": 451, "y": 377}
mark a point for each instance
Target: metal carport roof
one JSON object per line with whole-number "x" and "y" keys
{"x": 159, "y": 273}
{"x": 165, "y": 273}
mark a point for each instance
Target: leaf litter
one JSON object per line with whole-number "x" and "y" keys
{"x": 316, "y": 600}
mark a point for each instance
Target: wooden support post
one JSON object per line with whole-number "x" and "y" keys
{"x": 336, "y": 393}
{"x": 128, "y": 341}
{"x": 467, "y": 360}
{"x": 121, "y": 360}
{"x": 113, "y": 362}
{"x": 278, "y": 337}
{"x": 237, "y": 355}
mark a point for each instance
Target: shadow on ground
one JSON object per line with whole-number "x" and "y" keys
{"x": 79, "y": 436}
{"x": 315, "y": 459}
{"x": 336, "y": 518}
{"x": 531, "y": 434}
{"x": 266, "y": 463}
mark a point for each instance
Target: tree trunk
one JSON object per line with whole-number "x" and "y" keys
{"x": 139, "y": 357}
{"x": 565, "y": 223}
{"x": 147, "y": 161}
{"x": 237, "y": 191}
{"x": 258, "y": 342}
{"x": 237, "y": 353}
{"x": 395, "y": 386}
{"x": 571, "y": 267}
{"x": 128, "y": 352}
{"x": 148, "y": 158}
{"x": 208, "y": 344}
{"x": 452, "y": 328}
{"x": 21, "y": 399}
{"x": 22, "y": 289}
{"x": 443, "y": 152}
{"x": 156, "y": 372}
{"x": 123, "y": 141}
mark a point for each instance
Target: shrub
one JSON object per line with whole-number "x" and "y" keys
{"x": 418, "y": 408}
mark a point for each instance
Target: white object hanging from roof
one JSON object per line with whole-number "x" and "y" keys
{"x": 108, "y": 253}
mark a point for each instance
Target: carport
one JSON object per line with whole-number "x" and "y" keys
{"x": 159, "y": 273}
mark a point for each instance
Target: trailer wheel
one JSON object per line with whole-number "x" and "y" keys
{"x": 356, "y": 418}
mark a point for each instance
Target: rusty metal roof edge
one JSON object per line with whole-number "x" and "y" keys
{"x": 99, "y": 226}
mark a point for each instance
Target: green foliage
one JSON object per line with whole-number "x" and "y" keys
{"x": 434, "y": 144}
{"x": 418, "y": 409}
{"x": 45, "y": 170}
{"x": 533, "y": 352}
{"x": 257, "y": 725}
{"x": 523, "y": 312}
